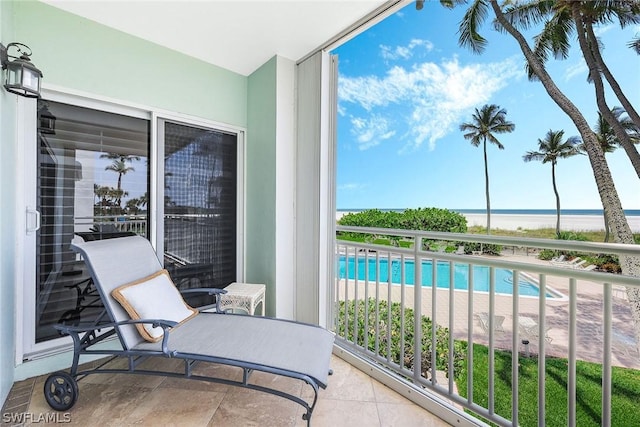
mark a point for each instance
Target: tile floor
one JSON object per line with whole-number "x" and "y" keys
{"x": 352, "y": 398}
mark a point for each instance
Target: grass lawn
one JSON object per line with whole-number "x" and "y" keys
{"x": 625, "y": 401}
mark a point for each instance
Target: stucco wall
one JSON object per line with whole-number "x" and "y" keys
{"x": 261, "y": 180}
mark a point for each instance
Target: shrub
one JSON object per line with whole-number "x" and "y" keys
{"x": 424, "y": 219}
{"x": 442, "y": 336}
{"x": 485, "y": 248}
{"x": 572, "y": 235}
{"x": 547, "y": 254}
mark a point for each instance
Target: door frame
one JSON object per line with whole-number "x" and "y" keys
{"x": 26, "y": 195}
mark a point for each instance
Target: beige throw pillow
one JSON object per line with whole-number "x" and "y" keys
{"x": 154, "y": 297}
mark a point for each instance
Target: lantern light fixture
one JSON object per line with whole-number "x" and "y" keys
{"x": 22, "y": 77}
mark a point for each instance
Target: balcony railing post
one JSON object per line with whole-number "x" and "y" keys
{"x": 417, "y": 310}
{"x": 606, "y": 363}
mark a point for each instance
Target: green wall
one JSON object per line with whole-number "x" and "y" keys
{"x": 77, "y": 53}
{"x": 261, "y": 180}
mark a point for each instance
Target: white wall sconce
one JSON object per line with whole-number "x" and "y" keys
{"x": 22, "y": 77}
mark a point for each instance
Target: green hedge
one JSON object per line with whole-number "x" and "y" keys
{"x": 424, "y": 219}
{"x": 442, "y": 336}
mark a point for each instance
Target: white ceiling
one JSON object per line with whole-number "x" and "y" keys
{"x": 238, "y": 35}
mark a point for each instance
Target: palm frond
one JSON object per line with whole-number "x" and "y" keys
{"x": 525, "y": 15}
{"x": 469, "y": 27}
{"x": 635, "y": 45}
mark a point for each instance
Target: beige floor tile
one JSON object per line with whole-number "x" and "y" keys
{"x": 346, "y": 383}
{"x": 384, "y": 394}
{"x": 406, "y": 415}
{"x": 337, "y": 413}
{"x": 174, "y": 407}
{"x": 243, "y": 407}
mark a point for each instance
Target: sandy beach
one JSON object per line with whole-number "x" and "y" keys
{"x": 532, "y": 222}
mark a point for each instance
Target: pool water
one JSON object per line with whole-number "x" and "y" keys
{"x": 503, "y": 277}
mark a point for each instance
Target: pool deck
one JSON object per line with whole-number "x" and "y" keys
{"x": 589, "y": 317}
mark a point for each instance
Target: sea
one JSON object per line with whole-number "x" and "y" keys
{"x": 597, "y": 212}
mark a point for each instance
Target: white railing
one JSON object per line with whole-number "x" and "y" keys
{"x": 578, "y": 314}
{"x": 123, "y": 223}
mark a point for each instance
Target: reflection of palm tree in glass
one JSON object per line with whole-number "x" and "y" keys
{"x": 119, "y": 166}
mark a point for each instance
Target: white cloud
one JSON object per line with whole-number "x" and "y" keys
{"x": 404, "y": 52}
{"x": 578, "y": 68}
{"x": 371, "y": 131}
{"x": 598, "y": 31}
{"x": 428, "y": 99}
{"x": 352, "y": 186}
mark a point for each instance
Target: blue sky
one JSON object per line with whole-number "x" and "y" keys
{"x": 405, "y": 87}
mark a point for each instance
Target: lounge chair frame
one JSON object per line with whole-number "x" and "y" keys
{"x": 61, "y": 389}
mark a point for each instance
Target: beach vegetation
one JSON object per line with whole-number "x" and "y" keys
{"x": 485, "y": 123}
{"x": 557, "y": 20}
{"x": 550, "y": 150}
{"x": 424, "y": 219}
{"x": 625, "y": 389}
{"x": 395, "y": 336}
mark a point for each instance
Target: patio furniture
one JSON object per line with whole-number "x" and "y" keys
{"x": 529, "y": 329}
{"x": 483, "y": 319}
{"x": 146, "y": 313}
{"x": 243, "y": 296}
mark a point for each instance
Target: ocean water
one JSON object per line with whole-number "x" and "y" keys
{"x": 598, "y": 212}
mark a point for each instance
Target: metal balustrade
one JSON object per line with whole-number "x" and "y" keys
{"x": 574, "y": 315}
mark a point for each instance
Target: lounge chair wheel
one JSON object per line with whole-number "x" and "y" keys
{"x": 61, "y": 391}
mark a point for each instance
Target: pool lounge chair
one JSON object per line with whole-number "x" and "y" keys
{"x": 484, "y": 320}
{"x": 147, "y": 314}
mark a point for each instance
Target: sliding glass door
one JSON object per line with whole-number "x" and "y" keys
{"x": 92, "y": 183}
{"x": 200, "y": 206}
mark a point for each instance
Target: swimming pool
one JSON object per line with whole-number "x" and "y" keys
{"x": 503, "y": 277}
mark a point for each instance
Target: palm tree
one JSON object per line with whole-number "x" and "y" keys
{"x": 550, "y": 149}
{"x": 561, "y": 18}
{"x": 469, "y": 36}
{"x": 119, "y": 164}
{"x": 609, "y": 141}
{"x": 120, "y": 167}
{"x": 486, "y": 122}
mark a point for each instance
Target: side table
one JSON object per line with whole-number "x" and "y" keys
{"x": 244, "y": 296}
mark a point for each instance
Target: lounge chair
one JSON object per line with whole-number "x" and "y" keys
{"x": 529, "y": 329}
{"x": 483, "y": 320}
{"x": 127, "y": 270}
{"x": 460, "y": 250}
{"x": 578, "y": 264}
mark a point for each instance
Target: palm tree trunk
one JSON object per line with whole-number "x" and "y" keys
{"x": 594, "y": 73}
{"x": 633, "y": 114}
{"x": 606, "y": 188}
{"x": 486, "y": 180}
{"x": 606, "y": 226}
{"x": 555, "y": 190}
